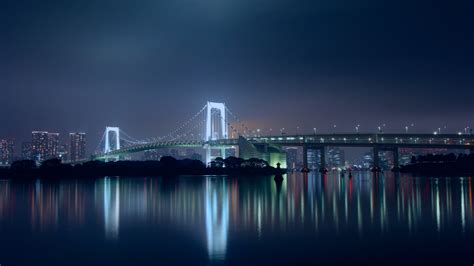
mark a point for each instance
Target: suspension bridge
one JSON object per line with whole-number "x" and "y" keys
{"x": 215, "y": 129}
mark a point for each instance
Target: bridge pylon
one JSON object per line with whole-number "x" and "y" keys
{"x": 215, "y": 128}
{"x": 108, "y": 146}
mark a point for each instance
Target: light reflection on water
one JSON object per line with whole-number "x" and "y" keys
{"x": 217, "y": 212}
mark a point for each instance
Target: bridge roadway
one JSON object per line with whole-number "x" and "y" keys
{"x": 378, "y": 142}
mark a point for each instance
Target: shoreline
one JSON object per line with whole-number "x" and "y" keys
{"x": 438, "y": 169}
{"x": 7, "y": 174}
{"x": 95, "y": 169}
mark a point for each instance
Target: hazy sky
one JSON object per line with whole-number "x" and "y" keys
{"x": 148, "y": 65}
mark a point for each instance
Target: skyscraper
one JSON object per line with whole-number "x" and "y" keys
{"x": 314, "y": 159}
{"x": 44, "y": 145}
{"x": 39, "y": 145}
{"x": 335, "y": 157}
{"x": 77, "y": 146}
{"x": 26, "y": 150}
{"x": 53, "y": 145}
{"x": 291, "y": 157}
{"x": 63, "y": 152}
{"x": 6, "y": 151}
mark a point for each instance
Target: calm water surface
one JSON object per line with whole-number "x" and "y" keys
{"x": 193, "y": 220}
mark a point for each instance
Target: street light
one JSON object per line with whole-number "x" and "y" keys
{"x": 357, "y": 129}
{"x": 282, "y": 131}
{"x": 406, "y": 129}
{"x": 315, "y": 129}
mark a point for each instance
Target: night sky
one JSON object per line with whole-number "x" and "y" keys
{"x": 148, "y": 65}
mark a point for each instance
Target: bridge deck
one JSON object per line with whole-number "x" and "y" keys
{"x": 451, "y": 141}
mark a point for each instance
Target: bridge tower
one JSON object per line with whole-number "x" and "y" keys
{"x": 107, "y": 146}
{"x": 215, "y": 129}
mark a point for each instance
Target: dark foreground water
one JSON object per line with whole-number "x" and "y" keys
{"x": 192, "y": 220}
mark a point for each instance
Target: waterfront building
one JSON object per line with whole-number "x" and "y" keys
{"x": 39, "y": 145}
{"x": 335, "y": 157}
{"x": 63, "y": 152}
{"x": 314, "y": 159}
{"x": 291, "y": 157}
{"x": 26, "y": 153}
{"x": 77, "y": 146}
{"x": 6, "y": 151}
{"x": 53, "y": 145}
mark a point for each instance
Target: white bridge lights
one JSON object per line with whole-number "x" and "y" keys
{"x": 210, "y": 133}
{"x": 116, "y": 131}
{"x": 223, "y": 124}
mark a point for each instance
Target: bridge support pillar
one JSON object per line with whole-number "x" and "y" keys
{"x": 396, "y": 163}
{"x": 322, "y": 151}
{"x": 208, "y": 156}
{"x": 212, "y": 133}
{"x": 305, "y": 156}
{"x": 376, "y": 159}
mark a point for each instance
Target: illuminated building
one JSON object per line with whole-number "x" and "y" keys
{"x": 407, "y": 153}
{"x": 291, "y": 157}
{"x": 386, "y": 160}
{"x": 26, "y": 153}
{"x": 77, "y": 146}
{"x": 314, "y": 158}
{"x": 367, "y": 160}
{"x": 6, "y": 151}
{"x": 335, "y": 157}
{"x": 63, "y": 152}
{"x": 44, "y": 145}
{"x": 39, "y": 145}
{"x": 53, "y": 145}
{"x": 231, "y": 152}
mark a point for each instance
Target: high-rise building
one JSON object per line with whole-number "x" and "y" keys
{"x": 44, "y": 145}
{"x": 386, "y": 160}
{"x": 6, "y": 151}
{"x": 39, "y": 145}
{"x": 77, "y": 146}
{"x": 63, "y": 152}
{"x": 53, "y": 145}
{"x": 291, "y": 157}
{"x": 314, "y": 159}
{"x": 367, "y": 160}
{"x": 26, "y": 152}
{"x": 335, "y": 157}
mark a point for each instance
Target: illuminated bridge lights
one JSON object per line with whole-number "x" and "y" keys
{"x": 360, "y": 140}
